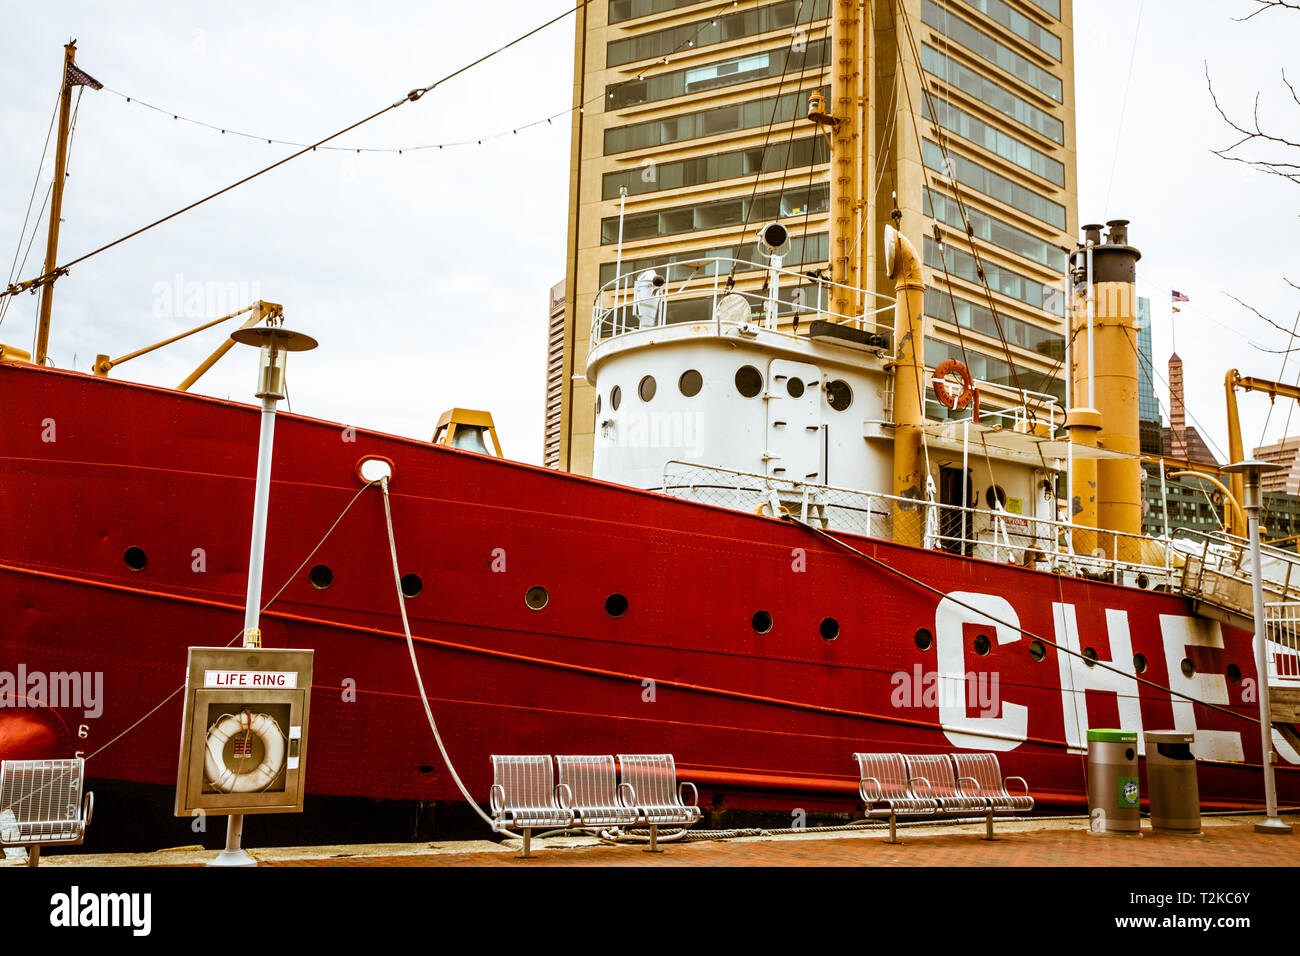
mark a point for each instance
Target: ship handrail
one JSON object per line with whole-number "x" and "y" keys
{"x": 1028, "y": 540}
{"x": 612, "y": 312}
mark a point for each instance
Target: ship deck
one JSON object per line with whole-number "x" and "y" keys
{"x": 1225, "y": 841}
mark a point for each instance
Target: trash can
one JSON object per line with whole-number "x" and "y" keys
{"x": 1171, "y": 782}
{"x": 1113, "y": 795}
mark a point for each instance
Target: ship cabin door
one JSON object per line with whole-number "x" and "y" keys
{"x": 795, "y": 440}
{"x": 950, "y": 518}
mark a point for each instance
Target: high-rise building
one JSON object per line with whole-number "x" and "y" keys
{"x": 696, "y": 111}
{"x": 1150, "y": 430}
{"x": 554, "y": 378}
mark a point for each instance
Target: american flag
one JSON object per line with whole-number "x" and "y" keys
{"x": 1177, "y": 296}
{"x": 79, "y": 77}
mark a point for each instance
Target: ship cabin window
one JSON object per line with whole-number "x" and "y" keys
{"x": 795, "y": 387}
{"x": 924, "y": 640}
{"x": 838, "y": 395}
{"x": 1036, "y": 651}
{"x": 615, "y": 397}
{"x": 647, "y": 388}
{"x": 412, "y": 585}
{"x": 1234, "y": 673}
{"x": 537, "y": 597}
{"x": 1089, "y": 657}
{"x": 135, "y": 559}
{"x": 597, "y": 403}
{"x": 829, "y": 628}
{"x": 1140, "y": 663}
{"x": 320, "y": 576}
{"x": 983, "y": 645}
{"x": 749, "y": 381}
{"x": 1188, "y": 668}
{"x": 761, "y": 622}
{"x": 690, "y": 383}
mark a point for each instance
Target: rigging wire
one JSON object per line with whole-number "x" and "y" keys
{"x": 767, "y": 134}
{"x": 14, "y": 268}
{"x": 410, "y": 97}
{"x": 941, "y": 137}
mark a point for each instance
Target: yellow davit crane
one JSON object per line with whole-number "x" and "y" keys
{"x": 1233, "y": 381}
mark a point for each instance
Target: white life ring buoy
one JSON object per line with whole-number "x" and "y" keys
{"x": 214, "y": 762}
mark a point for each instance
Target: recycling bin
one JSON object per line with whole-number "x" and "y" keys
{"x": 1113, "y": 794}
{"x": 1171, "y": 782}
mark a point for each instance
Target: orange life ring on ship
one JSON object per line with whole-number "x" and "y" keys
{"x": 941, "y": 372}
{"x": 765, "y": 510}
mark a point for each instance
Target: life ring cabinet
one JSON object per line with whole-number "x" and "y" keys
{"x": 244, "y": 735}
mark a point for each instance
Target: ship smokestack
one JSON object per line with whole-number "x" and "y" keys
{"x": 1113, "y": 385}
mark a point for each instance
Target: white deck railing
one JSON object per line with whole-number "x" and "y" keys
{"x": 616, "y": 312}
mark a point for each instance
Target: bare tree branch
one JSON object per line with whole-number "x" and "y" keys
{"x": 1268, "y": 5}
{"x": 1257, "y": 134}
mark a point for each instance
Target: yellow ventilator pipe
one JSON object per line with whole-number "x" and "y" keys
{"x": 903, "y": 265}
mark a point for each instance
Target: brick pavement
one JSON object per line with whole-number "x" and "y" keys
{"x": 1220, "y": 845}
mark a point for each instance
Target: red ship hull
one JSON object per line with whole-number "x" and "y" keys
{"x": 90, "y": 468}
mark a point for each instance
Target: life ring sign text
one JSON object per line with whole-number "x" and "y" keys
{"x": 251, "y": 680}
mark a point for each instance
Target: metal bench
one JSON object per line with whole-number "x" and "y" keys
{"x": 589, "y": 787}
{"x": 885, "y": 788}
{"x": 649, "y": 785}
{"x": 979, "y": 776}
{"x": 41, "y": 804}
{"x": 923, "y": 785}
{"x": 524, "y": 795}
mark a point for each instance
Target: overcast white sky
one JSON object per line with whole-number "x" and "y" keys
{"x": 425, "y": 275}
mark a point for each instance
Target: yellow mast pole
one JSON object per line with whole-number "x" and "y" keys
{"x": 56, "y": 206}
{"x": 844, "y": 123}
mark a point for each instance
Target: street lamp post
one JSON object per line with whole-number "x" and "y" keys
{"x": 274, "y": 345}
{"x": 1251, "y": 469}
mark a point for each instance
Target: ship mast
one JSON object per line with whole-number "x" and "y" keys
{"x": 56, "y": 204}
{"x": 844, "y": 123}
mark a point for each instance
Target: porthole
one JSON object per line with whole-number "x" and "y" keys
{"x": 924, "y": 640}
{"x": 749, "y": 381}
{"x": 996, "y": 496}
{"x": 1037, "y": 651}
{"x": 1234, "y": 673}
{"x": 795, "y": 387}
{"x": 320, "y": 576}
{"x": 1140, "y": 663}
{"x": 537, "y": 597}
{"x": 829, "y": 628}
{"x": 690, "y": 383}
{"x": 598, "y": 403}
{"x": 1089, "y": 657}
{"x": 838, "y": 395}
{"x": 647, "y": 388}
{"x": 761, "y": 621}
{"x": 412, "y": 585}
{"x": 616, "y": 605}
{"x": 615, "y": 398}
{"x": 1187, "y": 667}
{"x": 983, "y": 645}
{"x": 135, "y": 558}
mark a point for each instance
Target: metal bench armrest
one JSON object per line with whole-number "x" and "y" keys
{"x": 564, "y": 796}
{"x": 630, "y": 797}
{"x": 695, "y": 800}
{"x": 1022, "y": 783}
{"x": 870, "y": 797}
{"x": 929, "y": 788}
{"x": 497, "y": 798}
{"x": 961, "y": 787}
